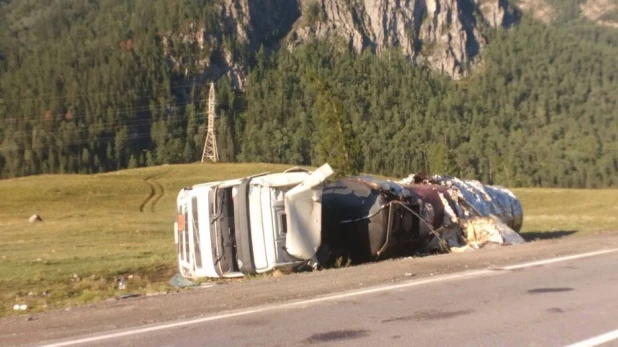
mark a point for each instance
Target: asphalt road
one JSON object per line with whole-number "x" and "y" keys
{"x": 549, "y": 304}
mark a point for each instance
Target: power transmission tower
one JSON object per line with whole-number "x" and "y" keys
{"x": 210, "y": 146}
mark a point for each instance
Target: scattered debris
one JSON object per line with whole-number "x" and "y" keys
{"x": 180, "y": 282}
{"x": 18, "y": 307}
{"x": 128, "y": 296}
{"x": 409, "y": 274}
{"x": 482, "y": 230}
{"x": 277, "y": 273}
{"x": 35, "y": 218}
{"x": 156, "y": 294}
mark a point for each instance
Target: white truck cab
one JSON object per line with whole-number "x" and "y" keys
{"x": 250, "y": 225}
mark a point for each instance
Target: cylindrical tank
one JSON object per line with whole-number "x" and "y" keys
{"x": 369, "y": 218}
{"x": 354, "y": 219}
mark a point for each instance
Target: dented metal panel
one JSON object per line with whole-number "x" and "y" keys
{"x": 478, "y": 213}
{"x": 430, "y": 194}
{"x": 478, "y": 199}
{"x": 282, "y": 179}
{"x": 303, "y": 209}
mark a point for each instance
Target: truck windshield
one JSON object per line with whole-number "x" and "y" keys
{"x": 224, "y": 232}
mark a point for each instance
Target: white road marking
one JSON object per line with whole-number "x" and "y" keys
{"x": 559, "y": 259}
{"x": 597, "y": 340}
{"x": 343, "y": 295}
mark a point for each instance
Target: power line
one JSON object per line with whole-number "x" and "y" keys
{"x": 117, "y": 112}
{"x": 23, "y": 134}
{"x": 120, "y": 111}
{"x": 83, "y": 142}
{"x": 106, "y": 126}
{"x": 162, "y": 88}
{"x": 128, "y": 122}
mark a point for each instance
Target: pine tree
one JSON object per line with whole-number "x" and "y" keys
{"x": 337, "y": 143}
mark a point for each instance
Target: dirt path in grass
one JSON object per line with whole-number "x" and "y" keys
{"x": 157, "y": 192}
{"x": 162, "y": 192}
{"x": 153, "y": 192}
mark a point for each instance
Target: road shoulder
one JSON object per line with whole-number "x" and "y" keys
{"x": 268, "y": 290}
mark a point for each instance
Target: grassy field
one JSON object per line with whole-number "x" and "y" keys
{"x": 567, "y": 211}
{"x": 96, "y": 228}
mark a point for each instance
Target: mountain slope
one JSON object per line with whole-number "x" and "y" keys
{"x": 98, "y": 86}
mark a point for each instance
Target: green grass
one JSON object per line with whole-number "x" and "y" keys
{"x": 93, "y": 230}
{"x": 568, "y": 211}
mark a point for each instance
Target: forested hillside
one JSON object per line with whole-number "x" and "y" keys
{"x": 90, "y": 86}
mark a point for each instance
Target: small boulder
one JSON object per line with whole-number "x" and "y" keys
{"x": 35, "y": 218}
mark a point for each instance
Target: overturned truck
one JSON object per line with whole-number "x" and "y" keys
{"x": 250, "y": 225}
{"x": 297, "y": 219}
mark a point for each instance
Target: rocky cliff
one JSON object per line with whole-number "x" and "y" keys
{"x": 446, "y": 35}
{"x": 602, "y": 12}
{"x": 242, "y": 26}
